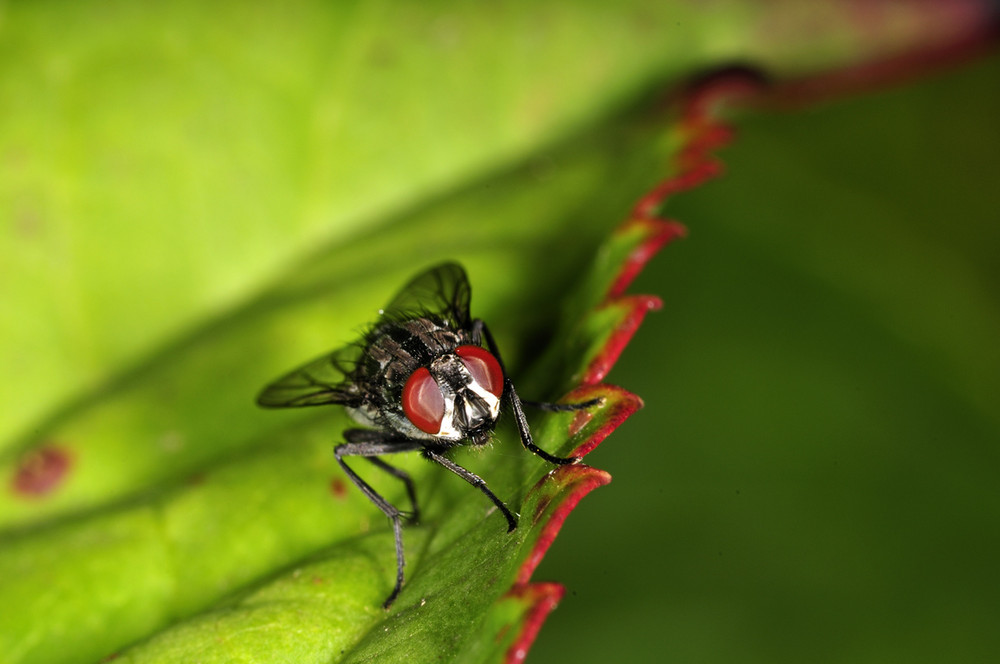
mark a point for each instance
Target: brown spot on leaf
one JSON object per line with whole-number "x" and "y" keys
{"x": 28, "y": 222}
{"x": 41, "y": 471}
{"x": 579, "y": 421}
{"x": 338, "y": 488}
{"x": 197, "y": 479}
{"x": 540, "y": 508}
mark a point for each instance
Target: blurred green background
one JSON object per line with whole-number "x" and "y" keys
{"x": 814, "y": 476}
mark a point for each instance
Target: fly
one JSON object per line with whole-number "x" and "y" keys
{"x": 426, "y": 378}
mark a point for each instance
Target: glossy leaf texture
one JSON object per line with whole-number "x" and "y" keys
{"x": 282, "y": 528}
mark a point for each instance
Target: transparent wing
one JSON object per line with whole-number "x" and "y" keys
{"x": 325, "y": 380}
{"x": 443, "y": 290}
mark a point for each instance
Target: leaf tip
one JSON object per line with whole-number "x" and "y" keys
{"x": 618, "y": 406}
{"x": 558, "y": 493}
{"x": 542, "y": 598}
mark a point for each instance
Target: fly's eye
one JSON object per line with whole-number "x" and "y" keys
{"x": 423, "y": 403}
{"x": 485, "y": 368}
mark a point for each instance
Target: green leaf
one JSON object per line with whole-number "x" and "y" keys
{"x": 191, "y": 404}
{"x": 244, "y": 519}
{"x": 329, "y": 610}
{"x": 213, "y": 526}
{"x": 162, "y": 164}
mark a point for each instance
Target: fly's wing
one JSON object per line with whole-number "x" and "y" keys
{"x": 325, "y": 380}
{"x": 442, "y": 290}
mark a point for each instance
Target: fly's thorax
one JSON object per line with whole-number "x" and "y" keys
{"x": 393, "y": 351}
{"x": 396, "y": 349}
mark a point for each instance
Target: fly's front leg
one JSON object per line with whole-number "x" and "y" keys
{"x": 479, "y": 331}
{"x": 522, "y": 427}
{"x": 370, "y": 444}
{"x": 411, "y": 492}
{"x": 373, "y": 436}
{"x": 474, "y": 480}
{"x": 562, "y": 407}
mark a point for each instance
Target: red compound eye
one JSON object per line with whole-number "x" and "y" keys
{"x": 423, "y": 403}
{"x": 484, "y": 368}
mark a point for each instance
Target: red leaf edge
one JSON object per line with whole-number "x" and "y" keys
{"x": 703, "y": 133}
{"x": 541, "y": 598}
{"x": 638, "y": 306}
{"x": 694, "y": 164}
{"x": 585, "y": 479}
{"x": 625, "y": 405}
{"x": 953, "y": 33}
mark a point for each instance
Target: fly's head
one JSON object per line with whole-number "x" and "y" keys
{"x": 456, "y": 397}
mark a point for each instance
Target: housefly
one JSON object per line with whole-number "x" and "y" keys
{"x": 427, "y": 378}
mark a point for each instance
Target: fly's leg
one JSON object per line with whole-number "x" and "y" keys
{"x": 373, "y": 436}
{"x": 370, "y": 444}
{"x": 522, "y": 428}
{"x": 479, "y": 331}
{"x": 474, "y": 480}
{"x": 562, "y": 407}
{"x": 414, "y": 516}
